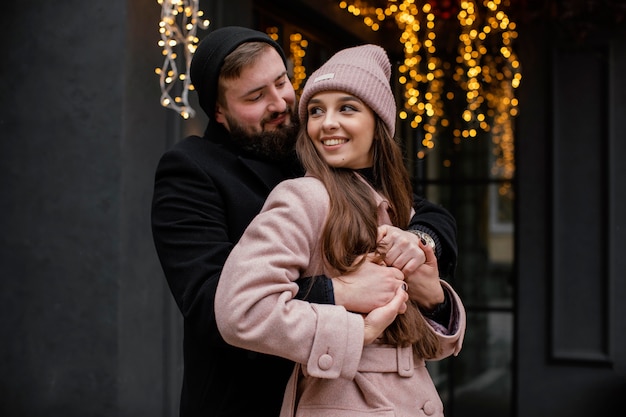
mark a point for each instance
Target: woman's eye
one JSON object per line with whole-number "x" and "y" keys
{"x": 314, "y": 111}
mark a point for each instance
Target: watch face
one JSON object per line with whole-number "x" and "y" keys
{"x": 427, "y": 239}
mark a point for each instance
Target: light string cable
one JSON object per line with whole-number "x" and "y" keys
{"x": 178, "y": 26}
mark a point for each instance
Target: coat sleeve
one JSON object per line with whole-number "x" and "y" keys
{"x": 195, "y": 223}
{"x": 255, "y": 307}
{"x": 190, "y": 234}
{"x": 439, "y": 223}
{"x": 450, "y": 337}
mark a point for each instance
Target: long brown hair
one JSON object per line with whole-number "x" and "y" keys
{"x": 352, "y": 224}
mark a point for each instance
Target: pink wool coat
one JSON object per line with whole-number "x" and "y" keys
{"x": 335, "y": 375}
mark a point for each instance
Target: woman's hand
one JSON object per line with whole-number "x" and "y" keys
{"x": 416, "y": 260}
{"x": 379, "y": 318}
{"x": 400, "y": 249}
{"x": 372, "y": 285}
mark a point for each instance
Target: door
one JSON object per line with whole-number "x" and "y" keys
{"x": 571, "y": 241}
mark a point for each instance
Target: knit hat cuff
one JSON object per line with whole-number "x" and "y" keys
{"x": 363, "y": 71}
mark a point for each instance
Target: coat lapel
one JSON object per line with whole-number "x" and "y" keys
{"x": 270, "y": 174}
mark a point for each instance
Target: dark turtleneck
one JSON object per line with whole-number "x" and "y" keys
{"x": 368, "y": 174}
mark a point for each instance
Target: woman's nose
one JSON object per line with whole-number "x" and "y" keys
{"x": 330, "y": 121}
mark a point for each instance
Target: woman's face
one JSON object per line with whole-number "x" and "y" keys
{"x": 342, "y": 129}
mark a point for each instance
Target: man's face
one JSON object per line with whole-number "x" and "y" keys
{"x": 261, "y": 99}
{"x": 260, "y": 107}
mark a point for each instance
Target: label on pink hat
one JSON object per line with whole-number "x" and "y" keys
{"x": 324, "y": 77}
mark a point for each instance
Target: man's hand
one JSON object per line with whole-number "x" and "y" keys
{"x": 424, "y": 285}
{"x": 371, "y": 286}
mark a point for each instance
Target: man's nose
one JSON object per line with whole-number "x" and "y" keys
{"x": 277, "y": 101}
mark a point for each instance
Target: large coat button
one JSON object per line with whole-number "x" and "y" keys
{"x": 325, "y": 362}
{"x": 429, "y": 408}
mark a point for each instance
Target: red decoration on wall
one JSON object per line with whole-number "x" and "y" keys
{"x": 444, "y": 9}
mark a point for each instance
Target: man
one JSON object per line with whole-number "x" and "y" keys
{"x": 208, "y": 189}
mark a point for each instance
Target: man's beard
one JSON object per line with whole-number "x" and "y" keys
{"x": 275, "y": 145}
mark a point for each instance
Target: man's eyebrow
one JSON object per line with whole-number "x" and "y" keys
{"x": 256, "y": 89}
{"x": 284, "y": 73}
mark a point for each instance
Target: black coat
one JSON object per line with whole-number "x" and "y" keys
{"x": 205, "y": 195}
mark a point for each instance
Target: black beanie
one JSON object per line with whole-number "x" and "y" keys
{"x": 208, "y": 59}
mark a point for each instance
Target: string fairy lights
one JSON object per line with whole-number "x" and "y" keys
{"x": 180, "y": 20}
{"x": 297, "y": 52}
{"x": 484, "y": 68}
{"x": 462, "y": 91}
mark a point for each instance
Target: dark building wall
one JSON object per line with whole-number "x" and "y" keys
{"x": 570, "y": 199}
{"x": 82, "y": 296}
{"x": 88, "y": 325}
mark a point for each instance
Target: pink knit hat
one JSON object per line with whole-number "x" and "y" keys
{"x": 364, "y": 71}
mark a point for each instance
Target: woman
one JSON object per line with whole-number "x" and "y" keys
{"x": 347, "y": 364}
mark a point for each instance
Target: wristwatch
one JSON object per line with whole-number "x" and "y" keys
{"x": 426, "y": 239}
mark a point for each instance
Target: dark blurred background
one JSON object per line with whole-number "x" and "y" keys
{"x": 88, "y": 325}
